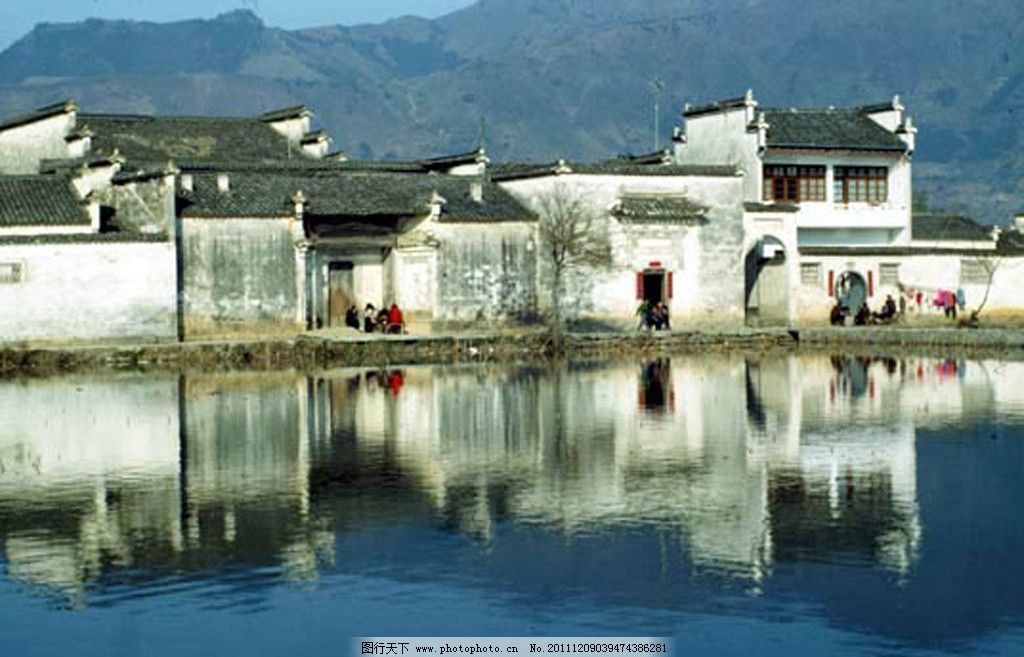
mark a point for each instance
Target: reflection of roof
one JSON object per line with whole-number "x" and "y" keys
{"x": 40, "y": 201}
{"x": 657, "y": 208}
{"x": 157, "y": 139}
{"x": 849, "y": 129}
{"x": 940, "y": 227}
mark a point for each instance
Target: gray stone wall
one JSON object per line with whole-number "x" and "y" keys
{"x": 486, "y": 272}
{"x": 238, "y": 273}
{"x": 146, "y": 206}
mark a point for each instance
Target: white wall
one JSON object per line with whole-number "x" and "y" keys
{"x": 926, "y": 272}
{"x": 706, "y": 261}
{"x": 22, "y": 147}
{"x": 89, "y": 291}
{"x": 721, "y": 138}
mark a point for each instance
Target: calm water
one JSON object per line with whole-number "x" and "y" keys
{"x": 780, "y": 506}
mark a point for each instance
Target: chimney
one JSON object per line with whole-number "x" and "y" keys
{"x": 299, "y": 199}
{"x": 187, "y": 185}
{"x": 476, "y": 190}
{"x": 223, "y": 183}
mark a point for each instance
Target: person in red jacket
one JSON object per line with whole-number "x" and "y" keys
{"x": 396, "y": 323}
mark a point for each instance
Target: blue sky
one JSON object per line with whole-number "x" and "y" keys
{"x": 18, "y": 16}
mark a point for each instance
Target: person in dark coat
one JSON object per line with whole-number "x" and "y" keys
{"x": 863, "y": 315}
{"x": 352, "y": 317}
{"x": 370, "y": 318}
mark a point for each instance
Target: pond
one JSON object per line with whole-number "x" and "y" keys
{"x": 773, "y": 504}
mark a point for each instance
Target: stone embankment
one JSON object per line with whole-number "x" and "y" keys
{"x": 312, "y": 352}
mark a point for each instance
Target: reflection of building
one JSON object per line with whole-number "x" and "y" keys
{"x": 741, "y": 463}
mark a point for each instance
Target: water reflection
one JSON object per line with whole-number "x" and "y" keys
{"x": 728, "y": 472}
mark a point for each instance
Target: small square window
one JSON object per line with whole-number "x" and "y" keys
{"x": 11, "y": 273}
{"x": 889, "y": 274}
{"x": 810, "y": 273}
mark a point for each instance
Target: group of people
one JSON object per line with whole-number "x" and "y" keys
{"x": 653, "y": 316}
{"x": 385, "y": 320}
{"x": 864, "y": 316}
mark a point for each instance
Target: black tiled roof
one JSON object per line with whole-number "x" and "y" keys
{"x": 941, "y": 227}
{"x": 41, "y": 113}
{"x": 286, "y": 113}
{"x": 448, "y": 161}
{"x": 148, "y": 139}
{"x": 617, "y": 167}
{"x": 655, "y": 157}
{"x": 495, "y": 205}
{"x": 848, "y": 129}
{"x": 717, "y": 106}
{"x": 517, "y": 170}
{"x": 86, "y": 238}
{"x": 299, "y": 165}
{"x": 659, "y": 209}
{"x": 40, "y": 201}
{"x": 339, "y": 193}
{"x": 1011, "y": 241}
{"x": 755, "y": 206}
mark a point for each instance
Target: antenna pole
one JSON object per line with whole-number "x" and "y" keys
{"x": 658, "y": 86}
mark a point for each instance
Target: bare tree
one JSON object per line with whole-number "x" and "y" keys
{"x": 989, "y": 266}
{"x": 572, "y": 239}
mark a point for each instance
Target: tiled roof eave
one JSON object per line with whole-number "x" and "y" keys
{"x": 447, "y": 219}
{"x": 838, "y": 147}
{"x": 691, "y": 220}
{"x": 225, "y": 216}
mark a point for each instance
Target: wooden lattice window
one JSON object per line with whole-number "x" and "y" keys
{"x": 861, "y": 184}
{"x": 795, "y": 183}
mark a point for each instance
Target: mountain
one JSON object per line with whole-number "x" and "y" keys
{"x": 571, "y": 78}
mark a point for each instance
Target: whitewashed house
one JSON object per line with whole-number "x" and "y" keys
{"x": 828, "y": 213}
{"x": 675, "y": 231}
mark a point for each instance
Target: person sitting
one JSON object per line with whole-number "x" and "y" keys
{"x": 352, "y": 317}
{"x": 659, "y": 317}
{"x": 382, "y": 320}
{"x": 863, "y": 315}
{"x": 396, "y": 322}
{"x": 837, "y": 317}
{"x": 370, "y": 318}
{"x": 888, "y": 311}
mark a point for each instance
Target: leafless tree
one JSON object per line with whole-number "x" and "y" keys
{"x": 572, "y": 239}
{"x": 990, "y": 266}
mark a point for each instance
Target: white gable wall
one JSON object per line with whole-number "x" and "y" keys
{"x": 23, "y": 147}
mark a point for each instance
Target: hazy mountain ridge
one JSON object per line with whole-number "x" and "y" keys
{"x": 570, "y": 78}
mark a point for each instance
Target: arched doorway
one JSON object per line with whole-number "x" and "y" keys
{"x": 766, "y": 283}
{"x": 851, "y": 290}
